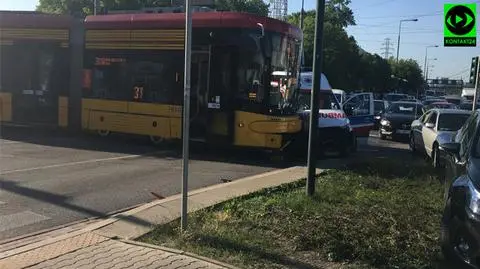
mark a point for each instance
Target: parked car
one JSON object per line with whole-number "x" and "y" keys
{"x": 445, "y": 105}
{"x": 460, "y": 223}
{"x": 396, "y": 120}
{"x": 436, "y": 127}
{"x": 394, "y": 97}
{"x": 379, "y": 108}
{"x": 467, "y": 105}
{"x": 455, "y": 99}
{"x": 430, "y": 101}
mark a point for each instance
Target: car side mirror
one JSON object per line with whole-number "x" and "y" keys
{"x": 451, "y": 148}
{"x": 430, "y": 125}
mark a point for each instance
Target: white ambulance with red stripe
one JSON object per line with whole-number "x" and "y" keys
{"x": 336, "y": 131}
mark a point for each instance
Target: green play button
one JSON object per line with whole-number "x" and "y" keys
{"x": 458, "y": 19}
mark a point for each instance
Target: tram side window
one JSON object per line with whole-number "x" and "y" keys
{"x": 109, "y": 79}
{"x": 17, "y": 72}
{"x": 157, "y": 79}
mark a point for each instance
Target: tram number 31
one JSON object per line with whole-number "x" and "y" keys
{"x": 138, "y": 93}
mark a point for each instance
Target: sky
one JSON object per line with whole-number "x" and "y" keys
{"x": 379, "y": 19}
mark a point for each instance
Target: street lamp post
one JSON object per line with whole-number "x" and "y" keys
{"x": 429, "y": 66}
{"x": 425, "y": 63}
{"x": 399, "y": 31}
{"x": 302, "y": 21}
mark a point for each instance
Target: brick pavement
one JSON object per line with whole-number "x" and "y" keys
{"x": 93, "y": 251}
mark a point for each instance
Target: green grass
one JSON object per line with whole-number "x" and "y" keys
{"x": 373, "y": 215}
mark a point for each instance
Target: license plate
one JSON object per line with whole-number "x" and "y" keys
{"x": 403, "y": 131}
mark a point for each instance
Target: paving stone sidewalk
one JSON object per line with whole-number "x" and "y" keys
{"x": 93, "y": 251}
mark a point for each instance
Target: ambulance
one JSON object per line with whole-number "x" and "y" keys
{"x": 339, "y": 124}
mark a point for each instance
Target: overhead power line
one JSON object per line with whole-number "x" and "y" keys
{"x": 459, "y": 73}
{"x": 437, "y": 13}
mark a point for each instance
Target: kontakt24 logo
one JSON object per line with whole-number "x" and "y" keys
{"x": 460, "y": 28}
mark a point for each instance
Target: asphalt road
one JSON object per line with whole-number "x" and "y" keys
{"x": 49, "y": 179}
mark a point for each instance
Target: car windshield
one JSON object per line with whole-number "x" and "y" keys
{"x": 442, "y": 105}
{"x": 451, "y": 122}
{"x": 405, "y": 108}
{"x": 466, "y": 106}
{"x": 456, "y": 101}
{"x": 395, "y": 97}
{"x": 431, "y": 101}
{"x": 327, "y": 100}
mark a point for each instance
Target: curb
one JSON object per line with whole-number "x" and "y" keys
{"x": 98, "y": 225}
{"x": 179, "y": 252}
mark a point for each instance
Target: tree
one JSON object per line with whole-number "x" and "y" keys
{"x": 408, "y": 70}
{"x": 341, "y": 59}
{"x": 257, "y": 7}
{"x": 375, "y": 73}
{"x": 85, "y": 7}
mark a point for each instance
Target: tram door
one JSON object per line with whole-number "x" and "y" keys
{"x": 199, "y": 95}
{"x": 33, "y": 84}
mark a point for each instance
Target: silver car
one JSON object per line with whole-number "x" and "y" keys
{"x": 435, "y": 127}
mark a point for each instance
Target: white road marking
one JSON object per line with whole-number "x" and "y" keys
{"x": 7, "y": 142}
{"x": 73, "y": 163}
{"x": 12, "y": 221}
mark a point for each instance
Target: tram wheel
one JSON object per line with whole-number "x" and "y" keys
{"x": 103, "y": 133}
{"x": 157, "y": 140}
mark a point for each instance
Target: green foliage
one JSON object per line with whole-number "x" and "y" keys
{"x": 375, "y": 215}
{"x": 346, "y": 65}
{"x": 85, "y": 7}
{"x": 257, "y": 7}
{"x": 409, "y": 70}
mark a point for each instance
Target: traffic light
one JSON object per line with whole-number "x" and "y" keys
{"x": 474, "y": 71}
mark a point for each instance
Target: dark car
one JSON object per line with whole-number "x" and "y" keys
{"x": 379, "y": 108}
{"x": 444, "y": 105}
{"x": 468, "y": 105}
{"x": 397, "y": 119}
{"x": 460, "y": 233}
{"x": 431, "y": 101}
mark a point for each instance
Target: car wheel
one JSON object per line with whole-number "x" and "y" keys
{"x": 382, "y": 136}
{"x": 412, "y": 144}
{"x": 455, "y": 247}
{"x": 354, "y": 144}
{"x": 344, "y": 149}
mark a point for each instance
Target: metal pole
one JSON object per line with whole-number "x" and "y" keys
{"x": 427, "y": 72}
{"x": 317, "y": 75}
{"x": 398, "y": 41}
{"x": 425, "y": 64}
{"x": 302, "y": 22}
{"x": 95, "y": 7}
{"x": 475, "y": 96}
{"x": 186, "y": 111}
{"x": 302, "y": 15}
